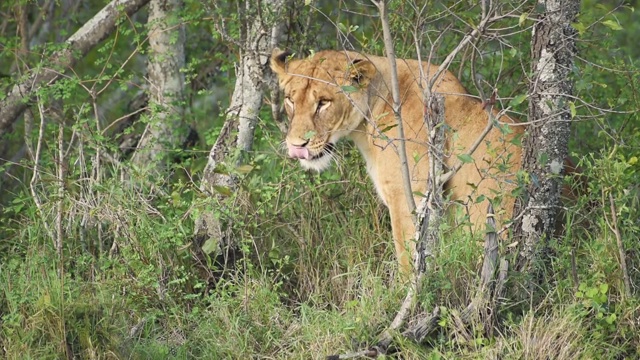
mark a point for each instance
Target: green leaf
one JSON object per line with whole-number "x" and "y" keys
{"x": 517, "y": 100}
{"x": 604, "y": 288}
{"x": 522, "y": 19}
{"x": 580, "y": 27}
{"x": 210, "y": 246}
{"x": 387, "y": 128}
{"x": 416, "y": 156}
{"x": 516, "y": 140}
{"x": 465, "y": 158}
{"x": 505, "y": 129}
{"x": 418, "y": 193}
{"x": 613, "y": 25}
{"x": 309, "y": 134}
{"x": 572, "y": 107}
{"x": 223, "y": 190}
{"x": 349, "y": 89}
{"x": 244, "y": 169}
{"x": 220, "y": 169}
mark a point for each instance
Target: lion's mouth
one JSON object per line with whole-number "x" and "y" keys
{"x": 326, "y": 150}
{"x": 320, "y": 161}
{"x": 303, "y": 153}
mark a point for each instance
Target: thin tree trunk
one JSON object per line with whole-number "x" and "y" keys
{"x": 545, "y": 146}
{"x": 397, "y": 103}
{"x": 77, "y": 46}
{"x": 166, "y": 129}
{"x": 261, "y": 29}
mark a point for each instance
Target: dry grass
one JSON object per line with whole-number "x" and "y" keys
{"x": 557, "y": 336}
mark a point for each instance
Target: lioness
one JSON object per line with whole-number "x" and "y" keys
{"x": 335, "y": 94}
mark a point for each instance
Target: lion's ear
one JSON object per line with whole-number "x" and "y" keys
{"x": 362, "y": 71}
{"x": 278, "y": 61}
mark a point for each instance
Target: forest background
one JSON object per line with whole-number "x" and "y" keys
{"x": 148, "y": 211}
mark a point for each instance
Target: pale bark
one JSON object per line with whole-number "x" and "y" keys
{"x": 166, "y": 129}
{"x": 545, "y": 146}
{"x": 397, "y": 104}
{"x": 260, "y": 36}
{"x": 77, "y": 46}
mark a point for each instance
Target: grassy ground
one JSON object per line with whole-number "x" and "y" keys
{"x": 319, "y": 278}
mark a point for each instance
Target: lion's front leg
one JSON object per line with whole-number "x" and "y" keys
{"x": 403, "y": 235}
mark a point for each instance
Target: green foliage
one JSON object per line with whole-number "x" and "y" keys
{"x": 317, "y": 273}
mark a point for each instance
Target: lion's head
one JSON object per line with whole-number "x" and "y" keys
{"x": 326, "y": 98}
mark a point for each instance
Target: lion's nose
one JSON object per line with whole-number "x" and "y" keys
{"x": 299, "y": 151}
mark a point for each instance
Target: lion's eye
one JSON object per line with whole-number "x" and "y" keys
{"x": 322, "y": 104}
{"x": 289, "y": 103}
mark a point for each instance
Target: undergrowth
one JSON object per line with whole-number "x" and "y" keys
{"x": 317, "y": 277}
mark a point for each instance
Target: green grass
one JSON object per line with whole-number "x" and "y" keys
{"x": 319, "y": 277}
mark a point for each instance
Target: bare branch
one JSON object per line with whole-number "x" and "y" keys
{"x": 613, "y": 225}
{"x": 35, "y": 176}
{"x": 397, "y": 105}
{"x": 447, "y": 176}
{"x": 78, "y": 45}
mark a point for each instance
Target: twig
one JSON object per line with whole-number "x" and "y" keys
{"x": 78, "y": 45}
{"x": 397, "y": 105}
{"x": 369, "y": 353}
{"x": 447, "y": 176}
{"x": 401, "y": 316}
{"x": 59, "y": 227}
{"x": 502, "y": 280}
{"x": 479, "y": 30}
{"x": 60, "y": 210}
{"x": 613, "y": 225}
{"x": 36, "y": 172}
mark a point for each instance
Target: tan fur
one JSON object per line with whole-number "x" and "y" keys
{"x": 355, "y": 89}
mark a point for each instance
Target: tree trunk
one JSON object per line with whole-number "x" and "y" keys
{"x": 77, "y": 46}
{"x": 545, "y": 145}
{"x": 166, "y": 130}
{"x": 260, "y": 30}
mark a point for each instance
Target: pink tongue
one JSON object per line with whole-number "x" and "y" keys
{"x": 298, "y": 152}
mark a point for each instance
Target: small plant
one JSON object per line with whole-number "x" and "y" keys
{"x": 594, "y": 303}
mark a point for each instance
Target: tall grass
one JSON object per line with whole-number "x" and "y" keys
{"x": 318, "y": 276}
